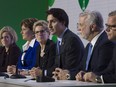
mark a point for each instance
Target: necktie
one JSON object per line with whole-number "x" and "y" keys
{"x": 89, "y": 55}
{"x": 58, "y": 54}
{"x": 58, "y": 47}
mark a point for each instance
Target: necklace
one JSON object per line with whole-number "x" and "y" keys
{"x": 42, "y": 53}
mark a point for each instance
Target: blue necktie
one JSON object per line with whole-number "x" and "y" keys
{"x": 89, "y": 55}
{"x": 58, "y": 53}
{"x": 58, "y": 47}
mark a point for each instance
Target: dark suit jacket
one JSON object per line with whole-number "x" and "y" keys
{"x": 71, "y": 51}
{"x": 29, "y": 58}
{"x": 48, "y": 58}
{"x": 109, "y": 74}
{"x": 9, "y": 58}
{"x": 101, "y": 55}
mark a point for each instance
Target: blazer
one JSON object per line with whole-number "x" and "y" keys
{"x": 47, "y": 61}
{"x": 9, "y": 58}
{"x": 71, "y": 51}
{"x": 101, "y": 55}
{"x": 29, "y": 58}
{"x": 109, "y": 74}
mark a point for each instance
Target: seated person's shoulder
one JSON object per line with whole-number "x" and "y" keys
{"x": 108, "y": 43}
{"x": 1, "y": 49}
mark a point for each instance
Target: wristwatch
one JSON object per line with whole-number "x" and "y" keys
{"x": 68, "y": 76}
{"x": 98, "y": 79}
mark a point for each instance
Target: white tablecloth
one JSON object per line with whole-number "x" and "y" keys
{"x": 33, "y": 83}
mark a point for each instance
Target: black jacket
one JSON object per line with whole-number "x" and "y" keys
{"x": 9, "y": 58}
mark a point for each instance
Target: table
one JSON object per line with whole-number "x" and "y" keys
{"x": 59, "y": 83}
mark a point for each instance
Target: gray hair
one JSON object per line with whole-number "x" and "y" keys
{"x": 93, "y": 17}
{"x": 113, "y": 13}
{"x": 11, "y": 32}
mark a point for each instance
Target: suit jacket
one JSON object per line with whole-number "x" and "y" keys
{"x": 48, "y": 59}
{"x": 109, "y": 74}
{"x": 29, "y": 58}
{"x": 9, "y": 58}
{"x": 101, "y": 55}
{"x": 71, "y": 51}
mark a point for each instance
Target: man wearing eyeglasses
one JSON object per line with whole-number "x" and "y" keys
{"x": 111, "y": 26}
{"x": 109, "y": 74}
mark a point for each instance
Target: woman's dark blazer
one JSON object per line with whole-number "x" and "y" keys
{"x": 49, "y": 57}
{"x": 9, "y": 58}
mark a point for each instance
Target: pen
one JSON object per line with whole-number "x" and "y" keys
{"x": 29, "y": 79}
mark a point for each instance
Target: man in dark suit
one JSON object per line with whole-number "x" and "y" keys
{"x": 109, "y": 74}
{"x": 91, "y": 28}
{"x": 69, "y": 46}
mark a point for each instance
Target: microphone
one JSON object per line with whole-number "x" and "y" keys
{"x": 4, "y": 74}
{"x": 17, "y": 75}
{"x": 43, "y": 77}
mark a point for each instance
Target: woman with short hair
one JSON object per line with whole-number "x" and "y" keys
{"x": 9, "y": 51}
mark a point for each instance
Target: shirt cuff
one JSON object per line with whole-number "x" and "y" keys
{"x": 102, "y": 79}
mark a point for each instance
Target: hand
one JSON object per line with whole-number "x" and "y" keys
{"x": 11, "y": 69}
{"x": 34, "y": 72}
{"x": 80, "y": 75}
{"x": 90, "y": 77}
{"x": 60, "y": 74}
{"x": 24, "y": 72}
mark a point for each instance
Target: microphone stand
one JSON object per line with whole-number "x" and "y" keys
{"x": 43, "y": 77}
{"x": 2, "y": 74}
{"x": 17, "y": 75}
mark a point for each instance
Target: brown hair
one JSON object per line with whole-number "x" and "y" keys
{"x": 29, "y": 22}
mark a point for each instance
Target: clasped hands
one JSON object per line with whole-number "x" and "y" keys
{"x": 35, "y": 71}
{"x": 12, "y": 70}
{"x": 86, "y": 76}
{"x": 60, "y": 74}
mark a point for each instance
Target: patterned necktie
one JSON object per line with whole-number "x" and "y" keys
{"x": 89, "y": 55}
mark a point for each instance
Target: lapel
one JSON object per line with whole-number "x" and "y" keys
{"x": 27, "y": 53}
{"x": 38, "y": 50}
{"x": 47, "y": 46}
{"x": 2, "y": 53}
{"x": 46, "y": 50}
{"x": 101, "y": 39}
{"x": 64, "y": 38}
{"x": 30, "y": 49}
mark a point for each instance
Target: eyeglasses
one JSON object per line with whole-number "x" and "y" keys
{"x": 110, "y": 27}
{"x": 41, "y": 31}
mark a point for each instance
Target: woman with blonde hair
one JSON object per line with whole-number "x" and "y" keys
{"x": 9, "y": 51}
{"x": 46, "y": 52}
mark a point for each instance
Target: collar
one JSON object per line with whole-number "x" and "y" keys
{"x": 61, "y": 36}
{"x": 94, "y": 40}
{"x": 27, "y": 44}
